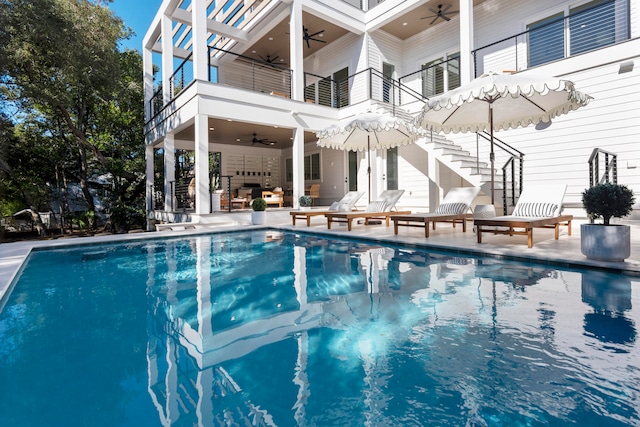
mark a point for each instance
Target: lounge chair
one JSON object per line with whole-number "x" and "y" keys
{"x": 380, "y": 209}
{"x": 537, "y": 207}
{"x": 454, "y": 209}
{"x": 345, "y": 204}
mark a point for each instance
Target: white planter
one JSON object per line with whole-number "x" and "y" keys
{"x": 305, "y": 208}
{"x": 605, "y": 242}
{"x": 258, "y": 217}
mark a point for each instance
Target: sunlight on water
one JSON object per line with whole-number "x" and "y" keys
{"x": 284, "y": 329}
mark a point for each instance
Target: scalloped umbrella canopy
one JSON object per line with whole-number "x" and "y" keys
{"x": 498, "y": 102}
{"x": 368, "y": 131}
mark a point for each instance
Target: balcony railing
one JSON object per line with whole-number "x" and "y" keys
{"x": 434, "y": 79}
{"x": 369, "y": 84}
{"x": 248, "y": 73}
{"x": 584, "y": 30}
{"x": 182, "y": 76}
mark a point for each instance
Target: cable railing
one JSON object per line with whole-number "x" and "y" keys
{"x": 182, "y": 76}
{"x": 605, "y": 161}
{"x": 583, "y": 30}
{"x": 369, "y": 84}
{"x": 156, "y": 102}
{"x": 248, "y": 73}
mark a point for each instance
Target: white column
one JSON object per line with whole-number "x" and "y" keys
{"x": 148, "y": 157}
{"x": 147, "y": 65}
{"x": 466, "y": 41}
{"x": 298, "y": 165}
{"x": 296, "y": 47}
{"x": 203, "y": 202}
{"x": 167, "y": 57}
{"x": 199, "y": 38}
{"x": 169, "y": 171}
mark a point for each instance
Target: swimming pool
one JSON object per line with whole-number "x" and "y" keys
{"x": 284, "y": 329}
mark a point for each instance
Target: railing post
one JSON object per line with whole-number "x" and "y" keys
{"x": 614, "y": 163}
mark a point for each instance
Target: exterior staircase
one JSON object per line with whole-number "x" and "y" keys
{"x": 458, "y": 160}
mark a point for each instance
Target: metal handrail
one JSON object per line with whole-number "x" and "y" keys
{"x": 610, "y": 167}
{"x": 515, "y": 159}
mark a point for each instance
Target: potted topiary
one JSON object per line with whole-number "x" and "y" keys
{"x": 606, "y": 241}
{"x": 258, "y": 216}
{"x": 305, "y": 202}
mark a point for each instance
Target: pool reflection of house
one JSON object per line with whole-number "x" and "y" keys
{"x": 242, "y": 88}
{"x": 221, "y": 342}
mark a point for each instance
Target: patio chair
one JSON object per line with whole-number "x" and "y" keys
{"x": 346, "y": 204}
{"x": 313, "y": 192}
{"x": 380, "y": 209}
{"x": 537, "y": 207}
{"x": 454, "y": 208}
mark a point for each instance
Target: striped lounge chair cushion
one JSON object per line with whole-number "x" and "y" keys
{"x": 376, "y": 206}
{"x": 541, "y": 210}
{"x": 452, "y": 208}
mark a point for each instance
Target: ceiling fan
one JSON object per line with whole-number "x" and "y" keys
{"x": 306, "y": 36}
{"x": 440, "y": 13}
{"x": 263, "y": 141}
{"x": 269, "y": 59}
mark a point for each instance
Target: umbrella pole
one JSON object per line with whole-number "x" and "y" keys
{"x": 492, "y": 156}
{"x": 369, "y": 165}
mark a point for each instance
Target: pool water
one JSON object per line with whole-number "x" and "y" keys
{"x": 286, "y": 329}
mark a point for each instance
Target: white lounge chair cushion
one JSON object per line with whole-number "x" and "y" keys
{"x": 376, "y": 206}
{"x": 452, "y": 208}
{"x": 536, "y": 209}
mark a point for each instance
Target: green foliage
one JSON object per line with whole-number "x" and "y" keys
{"x": 78, "y": 103}
{"x": 259, "y": 204}
{"x": 305, "y": 201}
{"x": 608, "y": 200}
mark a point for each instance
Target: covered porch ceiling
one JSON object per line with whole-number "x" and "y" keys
{"x": 230, "y": 132}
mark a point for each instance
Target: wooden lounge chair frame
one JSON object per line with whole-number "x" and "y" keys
{"x": 522, "y": 225}
{"x": 349, "y": 199}
{"x": 423, "y": 220}
{"x": 348, "y": 217}
{"x": 459, "y": 199}
{"x": 389, "y": 197}
{"x": 528, "y": 224}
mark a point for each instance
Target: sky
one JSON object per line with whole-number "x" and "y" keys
{"x": 138, "y": 15}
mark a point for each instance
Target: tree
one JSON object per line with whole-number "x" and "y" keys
{"x": 60, "y": 65}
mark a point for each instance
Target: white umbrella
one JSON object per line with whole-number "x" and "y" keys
{"x": 368, "y": 131}
{"x": 500, "y": 101}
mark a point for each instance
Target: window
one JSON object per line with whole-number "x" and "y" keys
{"x": 590, "y": 26}
{"x": 546, "y": 40}
{"x": 594, "y": 25}
{"x": 392, "y": 168}
{"x": 288, "y": 170}
{"x": 311, "y": 168}
{"x": 441, "y": 75}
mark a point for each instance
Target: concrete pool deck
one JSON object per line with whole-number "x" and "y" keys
{"x": 563, "y": 252}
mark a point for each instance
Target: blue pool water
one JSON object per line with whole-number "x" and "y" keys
{"x": 281, "y": 329}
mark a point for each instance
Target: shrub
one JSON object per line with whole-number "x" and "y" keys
{"x": 259, "y": 204}
{"x": 608, "y": 200}
{"x": 305, "y": 201}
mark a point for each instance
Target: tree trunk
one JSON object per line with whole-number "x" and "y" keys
{"x": 84, "y": 185}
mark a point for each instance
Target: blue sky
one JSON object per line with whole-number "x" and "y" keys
{"x": 138, "y": 15}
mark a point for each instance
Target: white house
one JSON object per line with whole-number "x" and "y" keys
{"x": 242, "y": 87}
